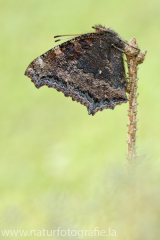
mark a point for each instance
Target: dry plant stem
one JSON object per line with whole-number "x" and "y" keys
{"x": 133, "y": 60}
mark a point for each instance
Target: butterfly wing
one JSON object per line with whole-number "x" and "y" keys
{"x": 86, "y": 68}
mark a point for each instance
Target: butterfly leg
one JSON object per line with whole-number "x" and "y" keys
{"x": 128, "y": 43}
{"x": 121, "y": 50}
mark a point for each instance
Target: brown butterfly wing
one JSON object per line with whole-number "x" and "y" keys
{"x": 86, "y": 68}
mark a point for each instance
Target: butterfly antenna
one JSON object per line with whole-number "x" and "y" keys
{"x": 66, "y": 35}
{"x": 62, "y": 39}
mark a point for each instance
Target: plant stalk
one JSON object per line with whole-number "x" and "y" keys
{"x": 134, "y": 57}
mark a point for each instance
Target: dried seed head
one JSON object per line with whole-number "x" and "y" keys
{"x": 141, "y": 56}
{"x": 129, "y": 49}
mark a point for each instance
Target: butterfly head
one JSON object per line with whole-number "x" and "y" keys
{"x": 99, "y": 28}
{"x": 102, "y": 30}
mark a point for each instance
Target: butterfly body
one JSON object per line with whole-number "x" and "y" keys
{"x": 88, "y": 68}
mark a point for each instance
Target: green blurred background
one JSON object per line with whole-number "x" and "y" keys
{"x": 61, "y": 167}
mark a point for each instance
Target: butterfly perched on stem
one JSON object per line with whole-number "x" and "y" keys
{"x": 89, "y": 68}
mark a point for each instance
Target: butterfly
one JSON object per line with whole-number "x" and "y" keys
{"x": 88, "y": 68}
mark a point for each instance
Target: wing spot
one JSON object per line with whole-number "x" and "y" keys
{"x": 40, "y": 62}
{"x": 57, "y": 50}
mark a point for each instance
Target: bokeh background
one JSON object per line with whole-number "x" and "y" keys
{"x": 60, "y": 167}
